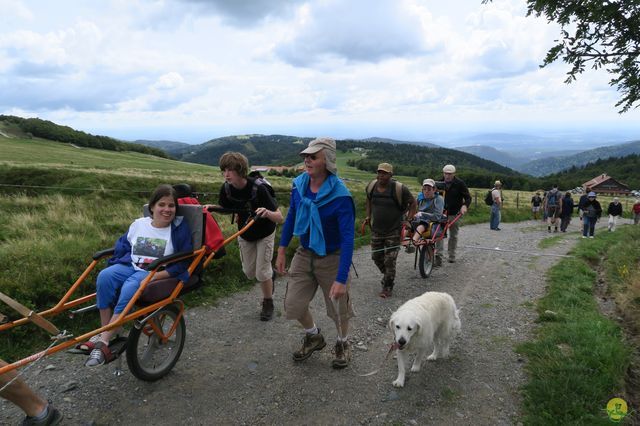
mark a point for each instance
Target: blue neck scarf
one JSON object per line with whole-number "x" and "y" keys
{"x": 307, "y": 214}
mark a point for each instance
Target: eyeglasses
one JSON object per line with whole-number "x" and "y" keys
{"x": 311, "y": 157}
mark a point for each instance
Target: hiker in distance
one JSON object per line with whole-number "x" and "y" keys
{"x": 615, "y": 212}
{"x": 387, "y": 202}
{"x": 457, "y": 199}
{"x": 322, "y": 215}
{"x": 496, "y": 197}
{"x": 553, "y": 207}
{"x": 256, "y": 245}
{"x": 536, "y": 202}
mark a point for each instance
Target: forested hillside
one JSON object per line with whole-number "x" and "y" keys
{"x": 259, "y": 149}
{"x": 551, "y": 165}
{"x": 626, "y": 170}
{"x": 30, "y": 127}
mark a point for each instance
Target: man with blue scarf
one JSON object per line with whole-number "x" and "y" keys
{"x": 322, "y": 215}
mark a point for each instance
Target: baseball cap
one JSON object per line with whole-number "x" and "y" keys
{"x": 429, "y": 182}
{"x": 385, "y": 167}
{"x": 591, "y": 194}
{"x": 449, "y": 168}
{"x": 496, "y": 183}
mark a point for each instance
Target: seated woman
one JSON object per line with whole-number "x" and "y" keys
{"x": 148, "y": 238}
{"x": 430, "y": 207}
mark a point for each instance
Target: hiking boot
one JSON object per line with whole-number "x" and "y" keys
{"x": 452, "y": 259}
{"x": 267, "y": 310}
{"x": 437, "y": 262}
{"x": 310, "y": 343}
{"x": 342, "y": 352}
{"x": 386, "y": 292}
{"x": 53, "y": 417}
{"x": 410, "y": 249}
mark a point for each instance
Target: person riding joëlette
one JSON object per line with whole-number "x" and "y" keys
{"x": 496, "y": 197}
{"x": 256, "y": 245}
{"x": 430, "y": 209}
{"x": 591, "y": 212}
{"x": 147, "y": 239}
{"x": 457, "y": 199}
{"x": 553, "y": 207}
{"x": 37, "y": 410}
{"x": 386, "y": 203}
{"x": 322, "y": 215}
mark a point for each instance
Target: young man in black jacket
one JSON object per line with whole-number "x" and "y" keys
{"x": 457, "y": 199}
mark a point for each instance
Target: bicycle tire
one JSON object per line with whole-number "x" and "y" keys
{"x": 426, "y": 260}
{"x": 147, "y": 357}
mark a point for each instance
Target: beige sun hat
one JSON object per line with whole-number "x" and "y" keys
{"x": 328, "y": 145}
{"x": 449, "y": 168}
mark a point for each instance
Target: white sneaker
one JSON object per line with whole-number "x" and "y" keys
{"x": 592, "y": 236}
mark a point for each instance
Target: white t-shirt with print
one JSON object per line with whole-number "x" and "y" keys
{"x": 148, "y": 242}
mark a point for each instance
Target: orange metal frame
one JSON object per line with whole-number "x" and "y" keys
{"x": 129, "y": 313}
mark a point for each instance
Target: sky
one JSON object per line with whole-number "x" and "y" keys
{"x": 192, "y": 70}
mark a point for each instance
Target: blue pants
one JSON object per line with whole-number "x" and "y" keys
{"x": 589, "y": 225}
{"x": 494, "y": 220}
{"x": 116, "y": 286}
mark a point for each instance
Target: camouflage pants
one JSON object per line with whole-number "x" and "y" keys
{"x": 385, "y": 260}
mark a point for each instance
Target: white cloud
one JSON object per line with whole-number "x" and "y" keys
{"x": 286, "y": 64}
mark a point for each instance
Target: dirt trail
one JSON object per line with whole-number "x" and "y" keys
{"x": 238, "y": 370}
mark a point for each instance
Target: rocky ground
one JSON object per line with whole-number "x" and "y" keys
{"x": 238, "y": 370}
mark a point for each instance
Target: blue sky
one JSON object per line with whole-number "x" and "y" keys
{"x": 191, "y": 70}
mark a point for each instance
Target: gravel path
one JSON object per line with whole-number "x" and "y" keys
{"x": 238, "y": 370}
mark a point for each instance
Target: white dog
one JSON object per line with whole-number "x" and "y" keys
{"x": 430, "y": 319}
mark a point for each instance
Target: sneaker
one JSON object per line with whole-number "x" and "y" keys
{"x": 267, "y": 310}
{"x": 555, "y": 229}
{"x": 53, "y": 417}
{"x": 410, "y": 249}
{"x": 591, "y": 236}
{"x": 584, "y": 236}
{"x": 452, "y": 260}
{"x": 437, "y": 262}
{"x": 342, "y": 352}
{"x": 310, "y": 343}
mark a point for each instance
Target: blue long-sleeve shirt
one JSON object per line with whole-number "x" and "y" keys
{"x": 337, "y": 217}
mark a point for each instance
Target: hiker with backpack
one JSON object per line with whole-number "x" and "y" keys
{"x": 457, "y": 199}
{"x": 387, "y": 202}
{"x": 240, "y": 191}
{"x": 496, "y": 205}
{"x": 553, "y": 207}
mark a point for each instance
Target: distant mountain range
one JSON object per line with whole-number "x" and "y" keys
{"x": 283, "y": 150}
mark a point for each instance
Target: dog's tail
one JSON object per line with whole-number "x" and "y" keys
{"x": 457, "y": 325}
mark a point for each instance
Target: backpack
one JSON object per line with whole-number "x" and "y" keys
{"x": 255, "y": 182}
{"x": 552, "y": 199}
{"x": 396, "y": 191}
{"x": 488, "y": 199}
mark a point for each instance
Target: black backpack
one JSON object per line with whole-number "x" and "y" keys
{"x": 488, "y": 199}
{"x": 260, "y": 181}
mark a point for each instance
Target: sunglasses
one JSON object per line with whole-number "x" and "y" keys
{"x": 312, "y": 157}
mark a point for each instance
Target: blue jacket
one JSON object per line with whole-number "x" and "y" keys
{"x": 336, "y": 222}
{"x": 181, "y": 240}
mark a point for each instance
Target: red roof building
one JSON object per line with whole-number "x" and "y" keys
{"x": 605, "y": 184}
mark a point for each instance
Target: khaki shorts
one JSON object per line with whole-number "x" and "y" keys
{"x": 307, "y": 272}
{"x": 256, "y": 257}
